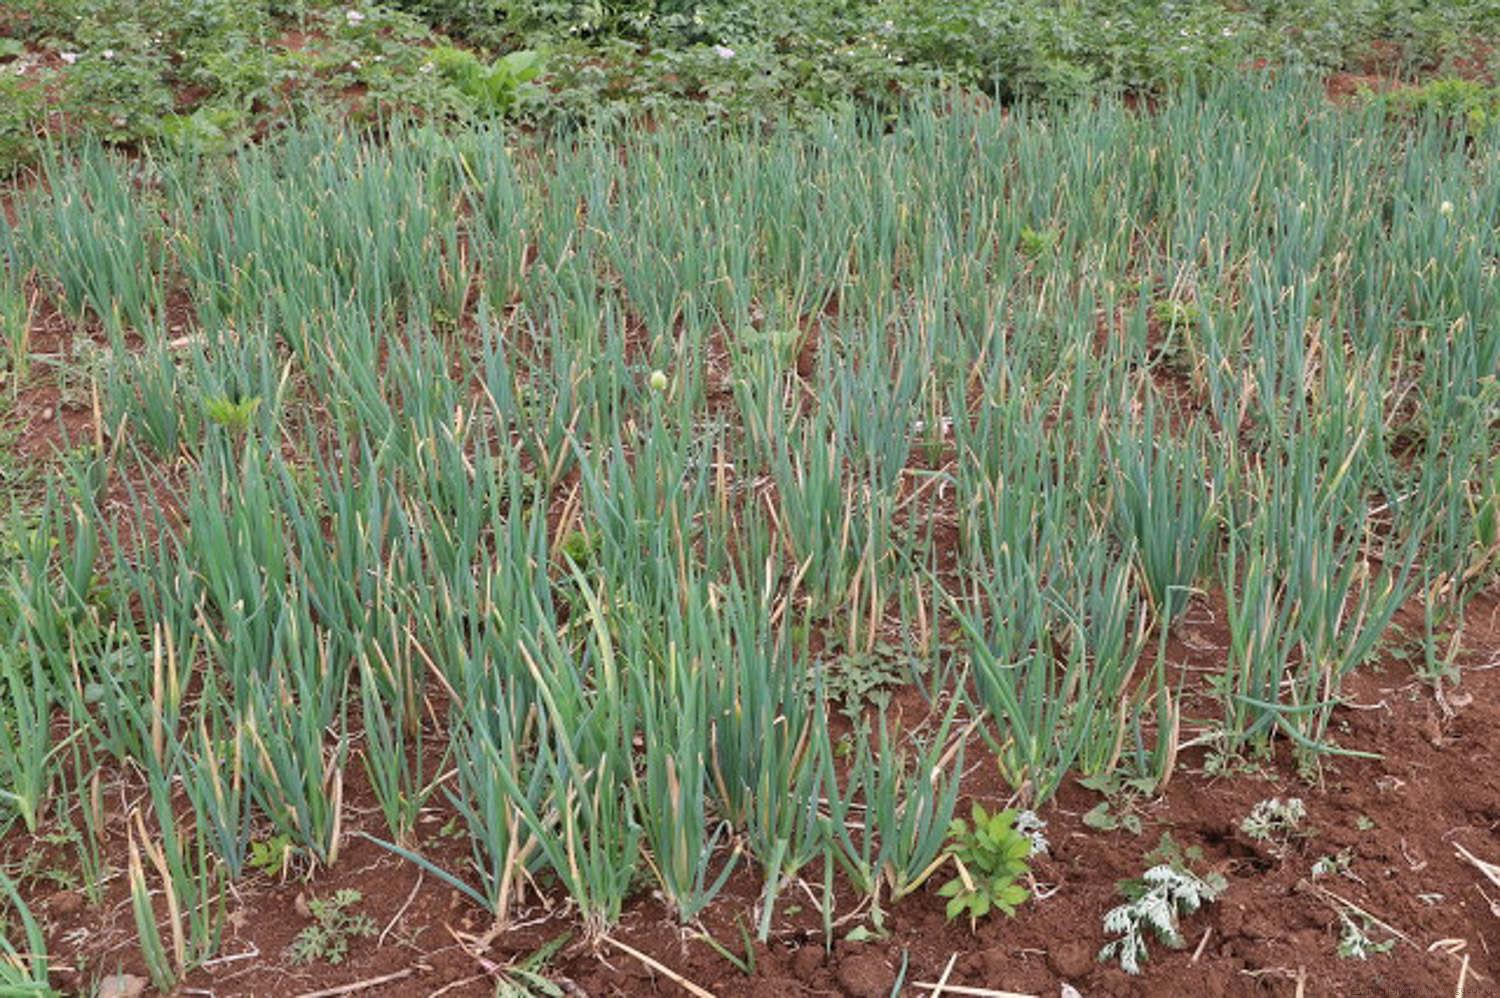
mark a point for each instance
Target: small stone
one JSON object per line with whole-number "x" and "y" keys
{"x": 121, "y": 986}
{"x": 47, "y": 413}
{"x": 1072, "y": 961}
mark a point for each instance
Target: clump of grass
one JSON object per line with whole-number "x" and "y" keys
{"x": 22, "y": 971}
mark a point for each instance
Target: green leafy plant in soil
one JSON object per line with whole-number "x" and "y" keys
{"x": 493, "y": 88}
{"x": 335, "y": 926}
{"x": 991, "y": 855}
{"x": 1274, "y": 820}
{"x": 1354, "y": 938}
{"x": 1471, "y": 104}
{"x": 1155, "y": 903}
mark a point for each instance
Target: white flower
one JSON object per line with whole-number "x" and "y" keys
{"x": 426, "y": 67}
{"x": 68, "y": 57}
{"x": 723, "y": 51}
{"x": 1446, "y": 208}
{"x": 1227, "y": 32}
{"x": 353, "y": 17}
{"x": 354, "y": 64}
{"x": 108, "y": 53}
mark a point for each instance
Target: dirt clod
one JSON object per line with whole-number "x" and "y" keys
{"x": 64, "y": 904}
{"x": 1071, "y": 961}
{"x": 807, "y": 961}
{"x": 866, "y": 975}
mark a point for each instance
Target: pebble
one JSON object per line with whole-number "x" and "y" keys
{"x": 121, "y": 986}
{"x": 1072, "y": 961}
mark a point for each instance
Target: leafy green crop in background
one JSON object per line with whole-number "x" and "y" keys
{"x": 1469, "y": 103}
{"x": 209, "y": 74}
{"x": 493, "y": 88}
